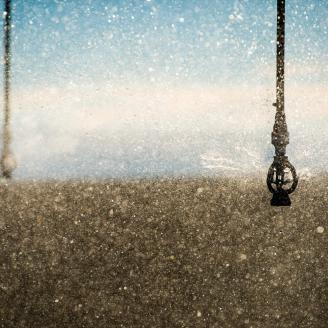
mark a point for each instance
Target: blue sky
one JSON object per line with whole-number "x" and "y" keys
{"x": 210, "y": 41}
{"x": 97, "y": 69}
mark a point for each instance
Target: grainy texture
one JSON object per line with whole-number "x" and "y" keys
{"x": 169, "y": 253}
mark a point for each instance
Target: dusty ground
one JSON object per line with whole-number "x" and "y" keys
{"x": 197, "y": 253}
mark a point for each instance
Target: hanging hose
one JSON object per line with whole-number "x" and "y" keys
{"x": 8, "y": 162}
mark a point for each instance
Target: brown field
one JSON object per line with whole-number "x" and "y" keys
{"x": 165, "y": 253}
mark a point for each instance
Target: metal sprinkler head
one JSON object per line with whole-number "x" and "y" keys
{"x": 282, "y": 179}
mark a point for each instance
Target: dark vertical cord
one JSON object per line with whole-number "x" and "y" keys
{"x": 281, "y": 55}
{"x": 7, "y": 162}
{"x": 280, "y": 133}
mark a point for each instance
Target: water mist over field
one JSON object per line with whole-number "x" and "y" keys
{"x": 103, "y": 131}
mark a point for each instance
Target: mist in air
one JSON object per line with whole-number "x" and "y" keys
{"x": 164, "y": 88}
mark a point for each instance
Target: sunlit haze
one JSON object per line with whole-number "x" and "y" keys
{"x": 162, "y": 88}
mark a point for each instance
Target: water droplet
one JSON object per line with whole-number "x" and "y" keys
{"x": 320, "y": 229}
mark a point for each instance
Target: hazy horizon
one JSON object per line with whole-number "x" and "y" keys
{"x": 146, "y": 88}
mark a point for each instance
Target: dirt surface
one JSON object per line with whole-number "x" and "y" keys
{"x": 180, "y": 253}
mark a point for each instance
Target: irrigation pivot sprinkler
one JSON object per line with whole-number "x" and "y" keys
{"x": 8, "y": 162}
{"x": 282, "y": 179}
